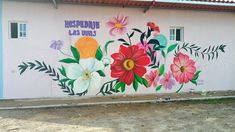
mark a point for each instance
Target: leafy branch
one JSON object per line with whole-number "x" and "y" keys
{"x": 124, "y": 42}
{"x": 42, "y": 67}
{"x": 211, "y": 52}
{"x": 108, "y": 88}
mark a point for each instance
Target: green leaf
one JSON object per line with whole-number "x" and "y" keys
{"x": 158, "y": 88}
{"x": 194, "y": 81}
{"x": 69, "y": 60}
{"x": 145, "y": 82}
{"x": 142, "y": 38}
{"x": 149, "y": 32}
{"x": 62, "y": 71}
{"x": 154, "y": 42}
{"x": 122, "y": 40}
{"x": 64, "y": 80}
{"x": 135, "y": 85}
{"x": 120, "y": 85}
{"x": 71, "y": 83}
{"x": 163, "y": 54}
{"x": 101, "y": 73}
{"x": 131, "y": 35}
{"x": 196, "y": 75}
{"x": 75, "y": 52}
{"x": 137, "y": 30}
{"x": 172, "y": 47}
{"x": 139, "y": 79}
{"x": 123, "y": 87}
{"x": 107, "y": 44}
{"x": 99, "y": 54}
{"x": 117, "y": 86}
{"x": 161, "y": 69}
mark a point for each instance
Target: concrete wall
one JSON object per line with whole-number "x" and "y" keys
{"x": 46, "y": 23}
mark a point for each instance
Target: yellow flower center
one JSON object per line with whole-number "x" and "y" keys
{"x": 182, "y": 68}
{"x": 118, "y": 25}
{"x": 86, "y": 75}
{"x": 128, "y": 64}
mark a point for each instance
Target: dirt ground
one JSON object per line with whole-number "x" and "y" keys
{"x": 191, "y": 116}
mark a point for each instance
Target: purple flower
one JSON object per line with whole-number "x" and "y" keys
{"x": 56, "y": 44}
{"x": 167, "y": 81}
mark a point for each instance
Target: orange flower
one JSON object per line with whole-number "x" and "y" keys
{"x": 87, "y": 47}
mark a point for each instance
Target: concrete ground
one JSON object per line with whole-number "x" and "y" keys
{"x": 187, "y": 116}
{"x": 116, "y": 99}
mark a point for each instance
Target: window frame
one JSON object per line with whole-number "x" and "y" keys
{"x": 19, "y": 30}
{"x": 174, "y": 28}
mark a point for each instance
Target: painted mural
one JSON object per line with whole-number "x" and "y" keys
{"x": 131, "y": 65}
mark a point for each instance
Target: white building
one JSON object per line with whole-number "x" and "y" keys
{"x": 198, "y": 34}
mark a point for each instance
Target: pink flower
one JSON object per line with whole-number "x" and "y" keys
{"x": 183, "y": 68}
{"x": 146, "y": 48}
{"x": 152, "y": 78}
{"x": 117, "y": 25}
{"x": 167, "y": 81}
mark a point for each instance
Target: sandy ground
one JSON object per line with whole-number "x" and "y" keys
{"x": 203, "y": 116}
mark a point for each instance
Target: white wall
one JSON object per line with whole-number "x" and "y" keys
{"x": 46, "y": 23}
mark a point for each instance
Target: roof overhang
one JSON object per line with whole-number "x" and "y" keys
{"x": 213, "y": 5}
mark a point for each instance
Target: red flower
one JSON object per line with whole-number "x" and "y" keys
{"x": 128, "y": 62}
{"x": 153, "y": 26}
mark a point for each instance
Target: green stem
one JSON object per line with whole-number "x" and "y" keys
{"x": 129, "y": 39}
{"x": 180, "y": 88}
{"x": 65, "y": 53}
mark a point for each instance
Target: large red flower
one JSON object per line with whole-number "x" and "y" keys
{"x": 128, "y": 62}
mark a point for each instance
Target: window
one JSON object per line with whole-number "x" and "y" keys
{"x": 18, "y": 30}
{"x": 177, "y": 33}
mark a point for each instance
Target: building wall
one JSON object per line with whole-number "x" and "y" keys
{"x": 1, "y": 43}
{"x": 45, "y": 23}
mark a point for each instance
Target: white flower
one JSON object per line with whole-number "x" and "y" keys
{"x": 85, "y": 74}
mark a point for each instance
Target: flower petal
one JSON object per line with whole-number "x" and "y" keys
{"x": 174, "y": 68}
{"x": 191, "y": 69}
{"x": 126, "y": 51}
{"x": 117, "y": 73}
{"x": 125, "y": 21}
{"x": 143, "y": 61}
{"x": 80, "y": 85}
{"x": 128, "y": 77}
{"x": 117, "y": 56}
{"x": 110, "y": 24}
{"x": 177, "y": 61}
{"x": 87, "y": 64}
{"x": 74, "y": 71}
{"x": 138, "y": 53}
{"x": 140, "y": 71}
{"x": 111, "y": 31}
{"x": 95, "y": 81}
{"x": 97, "y": 66}
{"x": 121, "y": 30}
